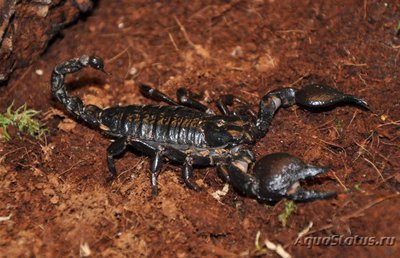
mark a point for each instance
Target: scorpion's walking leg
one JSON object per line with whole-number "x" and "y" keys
{"x": 185, "y": 98}
{"x": 152, "y": 93}
{"x": 187, "y": 172}
{"x": 156, "y": 163}
{"x": 229, "y": 100}
{"x": 222, "y": 172}
{"x": 223, "y": 104}
{"x": 116, "y": 148}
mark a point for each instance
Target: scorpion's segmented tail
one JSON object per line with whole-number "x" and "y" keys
{"x": 269, "y": 104}
{"x": 89, "y": 113}
{"x": 313, "y": 96}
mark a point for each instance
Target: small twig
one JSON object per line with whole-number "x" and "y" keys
{"x": 339, "y": 181}
{"x": 117, "y": 55}
{"x": 390, "y": 123}
{"x": 6, "y": 218}
{"x": 184, "y": 32}
{"x": 353, "y": 64}
{"x": 129, "y": 65}
{"x": 351, "y": 121}
{"x": 200, "y": 50}
{"x": 292, "y": 31}
{"x": 363, "y": 148}
{"x": 334, "y": 145}
{"x": 373, "y": 165}
{"x": 385, "y": 180}
{"x": 365, "y": 9}
{"x": 362, "y": 79}
{"x": 321, "y": 127}
{"x": 10, "y": 152}
{"x": 173, "y": 42}
{"x": 298, "y": 80}
{"x": 72, "y": 167}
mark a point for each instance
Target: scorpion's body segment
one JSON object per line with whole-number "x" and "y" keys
{"x": 191, "y": 134}
{"x": 178, "y": 131}
{"x": 155, "y": 124}
{"x": 175, "y": 125}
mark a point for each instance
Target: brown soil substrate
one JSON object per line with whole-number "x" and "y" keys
{"x": 55, "y": 190}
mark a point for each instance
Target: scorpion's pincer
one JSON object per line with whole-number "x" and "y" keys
{"x": 277, "y": 176}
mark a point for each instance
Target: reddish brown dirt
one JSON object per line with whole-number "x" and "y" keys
{"x": 55, "y": 191}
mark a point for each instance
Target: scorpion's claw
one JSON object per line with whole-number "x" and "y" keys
{"x": 319, "y": 95}
{"x": 276, "y": 176}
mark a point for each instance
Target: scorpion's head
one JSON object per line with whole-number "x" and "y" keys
{"x": 227, "y": 131}
{"x": 110, "y": 120}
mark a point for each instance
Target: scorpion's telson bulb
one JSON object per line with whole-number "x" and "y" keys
{"x": 97, "y": 63}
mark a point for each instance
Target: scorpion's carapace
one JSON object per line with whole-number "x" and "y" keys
{"x": 188, "y": 132}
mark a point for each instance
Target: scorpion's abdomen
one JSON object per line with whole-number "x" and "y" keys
{"x": 161, "y": 124}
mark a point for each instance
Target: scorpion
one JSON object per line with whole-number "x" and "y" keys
{"x": 188, "y": 133}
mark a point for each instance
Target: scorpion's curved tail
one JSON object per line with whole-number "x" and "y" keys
{"x": 89, "y": 113}
{"x": 313, "y": 96}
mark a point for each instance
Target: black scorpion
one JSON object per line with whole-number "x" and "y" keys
{"x": 189, "y": 133}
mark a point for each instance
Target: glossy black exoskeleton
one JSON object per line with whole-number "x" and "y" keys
{"x": 191, "y": 134}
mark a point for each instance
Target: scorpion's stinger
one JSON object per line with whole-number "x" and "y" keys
{"x": 91, "y": 114}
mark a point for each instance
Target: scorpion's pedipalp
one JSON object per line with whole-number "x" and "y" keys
{"x": 243, "y": 182}
{"x": 278, "y": 175}
{"x": 275, "y": 177}
{"x": 235, "y": 173}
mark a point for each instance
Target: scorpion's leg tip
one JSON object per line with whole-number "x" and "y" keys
{"x": 110, "y": 179}
{"x": 144, "y": 88}
{"x": 154, "y": 191}
{"x": 195, "y": 187}
{"x": 192, "y": 185}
